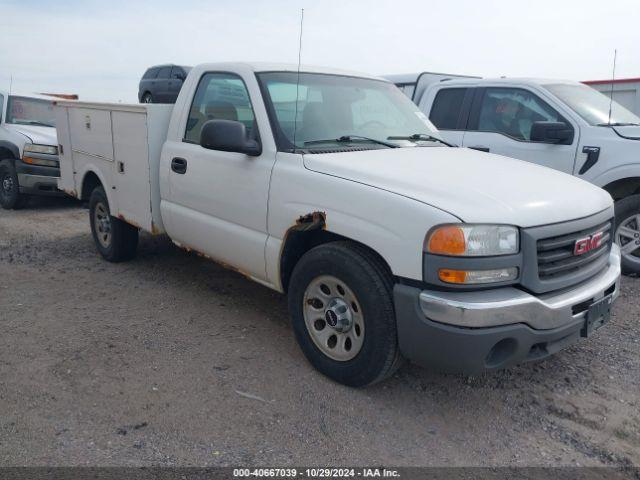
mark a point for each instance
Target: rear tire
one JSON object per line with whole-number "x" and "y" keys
{"x": 627, "y": 233}
{"x": 116, "y": 240}
{"x": 363, "y": 349}
{"x": 147, "y": 98}
{"x": 10, "y": 196}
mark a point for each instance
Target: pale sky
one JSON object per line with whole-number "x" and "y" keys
{"x": 99, "y": 49}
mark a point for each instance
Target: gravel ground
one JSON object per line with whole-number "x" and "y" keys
{"x": 172, "y": 360}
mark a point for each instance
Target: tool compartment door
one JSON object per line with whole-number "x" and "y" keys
{"x": 90, "y": 131}
{"x": 131, "y": 168}
{"x": 91, "y": 143}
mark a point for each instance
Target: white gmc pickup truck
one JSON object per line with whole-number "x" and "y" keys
{"x": 334, "y": 188}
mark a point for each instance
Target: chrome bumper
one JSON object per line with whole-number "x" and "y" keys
{"x": 505, "y": 306}
{"x": 33, "y": 181}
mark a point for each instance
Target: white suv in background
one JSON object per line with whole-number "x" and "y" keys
{"x": 560, "y": 124}
{"x": 28, "y": 149}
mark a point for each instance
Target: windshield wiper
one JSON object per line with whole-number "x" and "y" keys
{"x": 420, "y": 136}
{"x": 352, "y": 138}
{"x": 618, "y": 124}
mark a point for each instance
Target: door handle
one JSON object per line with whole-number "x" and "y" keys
{"x": 179, "y": 165}
{"x": 480, "y": 148}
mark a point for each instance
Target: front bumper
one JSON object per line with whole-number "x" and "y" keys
{"x": 471, "y": 332}
{"x": 37, "y": 179}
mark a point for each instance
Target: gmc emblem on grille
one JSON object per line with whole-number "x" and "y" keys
{"x": 584, "y": 245}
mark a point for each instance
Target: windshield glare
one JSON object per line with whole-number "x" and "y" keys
{"x": 592, "y": 105}
{"x": 30, "y": 111}
{"x": 334, "y": 106}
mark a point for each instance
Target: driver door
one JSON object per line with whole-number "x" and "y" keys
{"x": 217, "y": 201}
{"x": 500, "y": 122}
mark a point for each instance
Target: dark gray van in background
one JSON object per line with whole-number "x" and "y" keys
{"x": 162, "y": 83}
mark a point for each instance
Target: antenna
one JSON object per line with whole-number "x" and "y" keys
{"x": 295, "y": 118}
{"x": 613, "y": 77}
{"x": 10, "y": 83}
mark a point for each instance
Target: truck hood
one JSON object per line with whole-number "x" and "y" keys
{"x": 36, "y": 134}
{"x": 473, "y": 186}
{"x": 631, "y": 132}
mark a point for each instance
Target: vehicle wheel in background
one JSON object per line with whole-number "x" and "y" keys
{"x": 147, "y": 98}
{"x": 627, "y": 233}
{"x": 115, "y": 239}
{"x": 10, "y": 196}
{"x": 341, "y": 305}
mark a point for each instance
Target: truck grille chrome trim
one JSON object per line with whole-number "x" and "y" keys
{"x": 556, "y": 256}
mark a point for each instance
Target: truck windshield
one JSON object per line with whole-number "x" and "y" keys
{"x": 341, "y": 112}
{"x": 30, "y": 111}
{"x": 592, "y": 105}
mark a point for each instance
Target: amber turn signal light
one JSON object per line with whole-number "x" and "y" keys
{"x": 448, "y": 240}
{"x": 470, "y": 277}
{"x": 452, "y": 276}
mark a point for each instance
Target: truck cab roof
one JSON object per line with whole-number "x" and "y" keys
{"x": 283, "y": 67}
{"x": 509, "y": 81}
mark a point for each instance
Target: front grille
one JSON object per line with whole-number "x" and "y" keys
{"x": 556, "y": 256}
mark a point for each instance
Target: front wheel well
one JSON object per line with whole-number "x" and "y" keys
{"x": 89, "y": 183}
{"x": 623, "y": 188}
{"x": 7, "y": 154}
{"x": 310, "y": 232}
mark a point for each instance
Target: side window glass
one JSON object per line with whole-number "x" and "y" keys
{"x": 164, "y": 72}
{"x": 220, "y": 96}
{"x": 151, "y": 73}
{"x": 446, "y": 108}
{"x": 177, "y": 72}
{"x": 512, "y": 111}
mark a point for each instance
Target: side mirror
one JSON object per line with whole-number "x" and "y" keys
{"x": 228, "y": 136}
{"x": 552, "y": 132}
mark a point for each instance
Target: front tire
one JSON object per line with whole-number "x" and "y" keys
{"x": 115, "y": 239}
{"x": 627, "y": 233}
{"x": 341, "y": 305}
{"x": 10, "y": 196}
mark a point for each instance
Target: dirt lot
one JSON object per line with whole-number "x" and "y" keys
{"x": 172, "y": 360}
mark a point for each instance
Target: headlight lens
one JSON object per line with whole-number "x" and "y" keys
{"x": 35, "y": 148}
{"x": 39, "y": 149}
{"x": 473, "y": 240}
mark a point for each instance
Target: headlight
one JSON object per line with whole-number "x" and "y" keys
{"x": 35, "y": 148}
{"x": 466, "y": 240}
{"x": 39, "y": 149}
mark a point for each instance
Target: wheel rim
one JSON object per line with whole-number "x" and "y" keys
{"x": 628, "y": 238}
{"x": 333, "y": 317}
{"x": 102, "y": 222}
{"x": 7, "y": 184}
